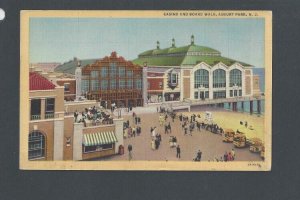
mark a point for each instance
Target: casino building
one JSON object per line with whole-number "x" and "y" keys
{"x": 195, "y": 72}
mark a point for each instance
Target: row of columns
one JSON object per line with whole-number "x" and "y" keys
{"x": 234, "y": 106}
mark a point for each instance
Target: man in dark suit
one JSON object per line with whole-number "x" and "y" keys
{"x": 178, "y": 151}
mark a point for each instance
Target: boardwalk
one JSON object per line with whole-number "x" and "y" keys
{"x": 210, "y": 144}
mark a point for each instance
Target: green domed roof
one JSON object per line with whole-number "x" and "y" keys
{"x": 181, "y": 50}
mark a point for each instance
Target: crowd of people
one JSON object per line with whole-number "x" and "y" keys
{"x": 131, "y": 131}
{"x": 189, "y": 124}
{"x": 228, "y": 156}
{"x": 92, "y": 115}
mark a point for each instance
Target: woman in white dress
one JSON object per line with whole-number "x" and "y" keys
{"x": 152, "y": 144}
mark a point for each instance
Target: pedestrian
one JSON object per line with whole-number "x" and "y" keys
{"x": 198, "y": 156}
{"x": 185, "y": 130}
{"x": 166, "y": 128}
{"x": 75, "y": 115}
{"x": 136, "y": 120}
{"x": 156, "y": 143}
{"x": 191, "y": 129}
{"x": 129, "y": 152}
{"x": 152, "y": 144}
{"x": 125, "y": 133}
{"x": 169, "y": 128}
{"x": 225, "y": 157}
{"x": 129, "y": 132}
{"x": 133, "y": 131}
{"x": 153, "y": 133}
{"x": 173, "y": 141}
{"x": 159, "y": 137}
{"x": 198, "y": 126}
{"x": 138, "y": 130}
{"x": 178, "y": 151}
{"x": 233, "y": 154}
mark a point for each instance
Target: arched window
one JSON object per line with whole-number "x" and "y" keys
{"x": 235, "y": 77}
{"x": 201, "y": 78}
{"x": 36, "y": 145}
{"x": 219, "y": 78}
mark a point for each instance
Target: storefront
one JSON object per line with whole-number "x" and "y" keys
{"x": 98, "y": 144}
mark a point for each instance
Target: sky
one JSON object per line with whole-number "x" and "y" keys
{"x": 61, "y": 39}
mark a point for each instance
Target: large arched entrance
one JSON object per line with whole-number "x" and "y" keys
{"x": 36, "y": 145}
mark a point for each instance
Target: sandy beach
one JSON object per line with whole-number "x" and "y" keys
{"x": 228, "y": 119}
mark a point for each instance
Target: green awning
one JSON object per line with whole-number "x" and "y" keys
{"x": 99, "y": 138}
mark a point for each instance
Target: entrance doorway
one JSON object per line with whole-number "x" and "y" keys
{"x": 202, "y": 95}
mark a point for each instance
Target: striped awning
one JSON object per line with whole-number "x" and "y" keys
{"x": 100, "y": 138}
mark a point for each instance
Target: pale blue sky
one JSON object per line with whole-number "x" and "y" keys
{"x": 61, "y": 39}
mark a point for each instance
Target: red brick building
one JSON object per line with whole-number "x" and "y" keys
{"x": 113, "y": 80}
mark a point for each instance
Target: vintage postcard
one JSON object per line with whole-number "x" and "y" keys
{"x": 146, "y": 90}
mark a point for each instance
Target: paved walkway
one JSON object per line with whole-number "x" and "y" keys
{"x": 210, "y": 144}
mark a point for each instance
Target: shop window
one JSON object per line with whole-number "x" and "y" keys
{"x": 88, "y": 149}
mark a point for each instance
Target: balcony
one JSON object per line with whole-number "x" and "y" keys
{"x": 35, "y": 117}
{"x": 49, "y": 115}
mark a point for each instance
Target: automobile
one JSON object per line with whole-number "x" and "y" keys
{"x": 228, "y": 135}
{"x": 256, "y": 145}
{"x": 239, "y": 140}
